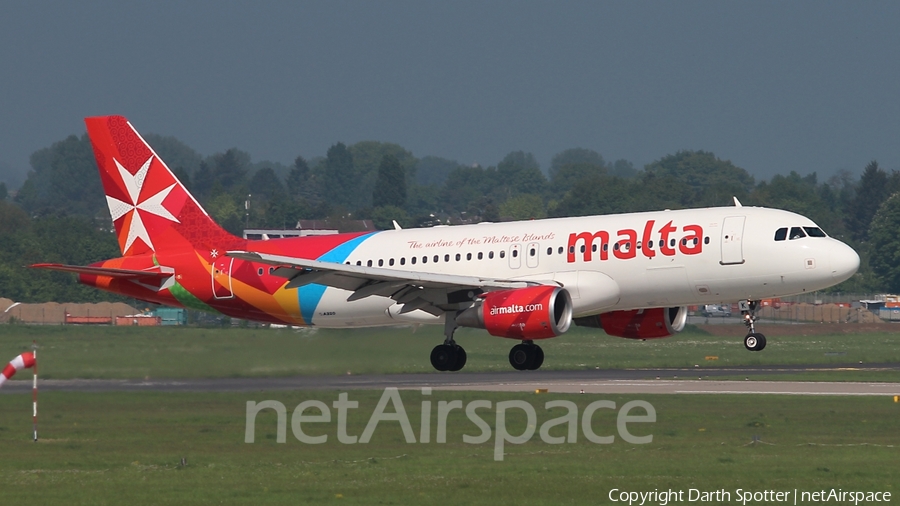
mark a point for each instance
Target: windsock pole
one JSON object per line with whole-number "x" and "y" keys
{"x": 34, "y": 392}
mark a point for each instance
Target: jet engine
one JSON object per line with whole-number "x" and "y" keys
{"x": 535, "y": 312}
{"x": 639, "y": 323}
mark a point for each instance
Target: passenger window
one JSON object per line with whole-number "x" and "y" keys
{"x": 594, "y": 248}
{"x": 272, "y": 269}
{"x": 359, "y": 262}
{"x": 502, "y": 254}
{"x": 403, "y": 261}
{"x": 797, "y": 233}
{"x": 560, "y": 250}
{"x": 391, "y": 262}
{"x": 480, "y": 255}
{"x": 412, "y": 260}
{"x": 369, "y": 263}
{"x": 532, "y": 251}
{"x": 436, "y": 258}
{"x": 446, "y": 258}
{"x": 672, "y": 243}
{"x": 458, "y": 257}
{"x": 814, "y": 232}
{"x": 516, "y": 252}
{"x": 490, "y": 254}
{"x": 549, "y": 251}
{"x": 260, "y": 271}
{"x": 781, "y": 234}
{"x": 582, "y": 248}
{"x": 468, "y": 256}
{"x": 380, "y": 262}
{"x": 706, "y": 240}
{"x": 424, "y": 259}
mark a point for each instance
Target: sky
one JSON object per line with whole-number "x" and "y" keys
{"x": 771, "y": 86}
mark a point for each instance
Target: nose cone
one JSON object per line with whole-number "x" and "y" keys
{"x": 844, "y": 262}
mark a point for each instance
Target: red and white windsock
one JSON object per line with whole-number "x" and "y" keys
{"x": 23, "y": 361}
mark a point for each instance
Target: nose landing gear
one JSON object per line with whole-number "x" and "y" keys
{"x": 753, "y": 341}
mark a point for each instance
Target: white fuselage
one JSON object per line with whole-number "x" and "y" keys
{"x": 612, "y": 262}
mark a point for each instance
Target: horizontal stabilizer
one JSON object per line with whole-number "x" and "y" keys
{"x": 155, "y": 272}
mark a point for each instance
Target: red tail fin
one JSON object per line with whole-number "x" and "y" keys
{"x": 151, "y": 209}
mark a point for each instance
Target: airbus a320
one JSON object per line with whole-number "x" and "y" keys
{"x": 630, "y": 274}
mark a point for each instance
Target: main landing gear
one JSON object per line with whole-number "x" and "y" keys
{"x": 450, "y": 356}
{"x": 753, "y": 341}
{"x": 526, "y": 356}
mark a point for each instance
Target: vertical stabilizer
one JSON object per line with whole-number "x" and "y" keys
{"x": 150, "y": 208}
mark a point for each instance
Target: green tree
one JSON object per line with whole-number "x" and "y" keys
{"x": 340, "y": 179}
{"x": 573, "y": 165}
{"x": 523, "y": 207}
{"x": 382, "y": 216}
{"x": 465, "y": 186}
{"x": 174, "y": 152}
{"x": 64, "y": 180}
{"x": 433, "y": 170}
{"x": 713, "y": 181}
{"x": 203, "y": 181}
{"x": 875, "y": 186}
{"x": 885, "y": 243}
{"x": 4, "y": 193}
{"x": 298, "y": 179}
{"x": 519, "y": 172}
{"x": 230, "y": 168}
{"x": 390, "y": 186}
{"x": 598, "y": 195}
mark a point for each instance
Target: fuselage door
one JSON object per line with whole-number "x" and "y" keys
{"x": 532, "y": 252}
{"x": 732, "y": 237}
{"x": 221, "y": 278}
{"x": 515, "y": 256}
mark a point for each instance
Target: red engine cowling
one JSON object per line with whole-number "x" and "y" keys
{"x": 639, "y": 323}
{"x": 536, "y": 312}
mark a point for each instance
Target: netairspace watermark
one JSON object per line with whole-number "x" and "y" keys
{"x": 745, "y": 497}
{"x": 475, "y": 411}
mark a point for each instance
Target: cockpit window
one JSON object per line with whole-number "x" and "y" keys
{"x": 781, "y": 234}
{"x": 797, "y": 233}
{"x": 814, "y": 232}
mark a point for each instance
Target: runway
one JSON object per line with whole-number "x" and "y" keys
{"x": 605, "y": 381}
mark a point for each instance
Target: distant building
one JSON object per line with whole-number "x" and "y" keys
{"x": 311, "y": 227}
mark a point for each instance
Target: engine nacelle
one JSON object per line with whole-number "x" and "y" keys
{"x": 535, "y": 312}
{"x": 639, "y": 323}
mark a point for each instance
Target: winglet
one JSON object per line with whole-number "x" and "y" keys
{"x": 396, "y": 225}
{"x": 737, "y": 203}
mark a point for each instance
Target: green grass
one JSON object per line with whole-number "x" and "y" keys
{"x": 125, "y": 448}
{"x": 131, "y": 352}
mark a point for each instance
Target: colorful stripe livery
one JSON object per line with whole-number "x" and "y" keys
{"x": 159, "y": 224}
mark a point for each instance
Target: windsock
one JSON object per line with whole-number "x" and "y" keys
{"x": 23, "y": 361}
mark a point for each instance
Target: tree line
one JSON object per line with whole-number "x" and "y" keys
{"x": 60, "y": 213}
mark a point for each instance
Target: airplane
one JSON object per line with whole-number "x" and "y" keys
{"x": 632, "y": 275}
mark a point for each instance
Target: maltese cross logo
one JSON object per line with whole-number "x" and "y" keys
{"x": 152, "y": 205}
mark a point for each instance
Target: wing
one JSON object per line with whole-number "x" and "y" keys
{"x": 430, "y": 292}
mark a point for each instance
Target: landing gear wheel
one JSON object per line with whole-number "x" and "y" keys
{"x": 760, "y": 342}
{"x": 443, "y": 357}
{"x": 522, "y": 356}
{"x": 755, "y": 341}
{"x": 460, "y": 359}
{"x": 538, "y": 358}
